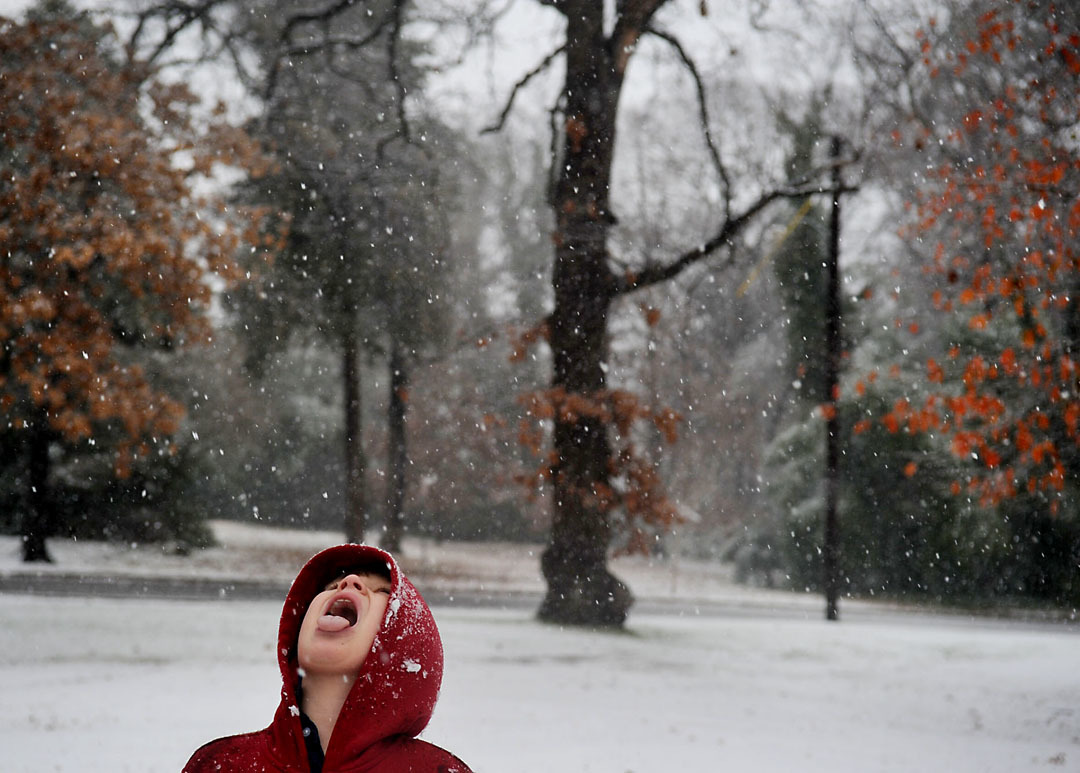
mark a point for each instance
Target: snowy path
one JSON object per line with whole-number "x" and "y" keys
{"x": 108, "y": 685}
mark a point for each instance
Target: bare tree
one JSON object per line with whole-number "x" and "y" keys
{"x": 581, "y": 589}
{"x": 600, "y": 41}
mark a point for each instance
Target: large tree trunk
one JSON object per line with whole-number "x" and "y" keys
{"x": 355, "y": 515}
{"x": 581, "y": 590}
{"x": 399, "y": 385}
{"x": 37, "y": 520}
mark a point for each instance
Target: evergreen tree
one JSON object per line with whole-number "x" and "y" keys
{"x": 363, "y": 272}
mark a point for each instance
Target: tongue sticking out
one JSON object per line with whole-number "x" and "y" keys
{"x": 340, "y": 615}
{"x": 332, "y": 623}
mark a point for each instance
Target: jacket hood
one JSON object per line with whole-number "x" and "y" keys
{"x": 398, "y": 685}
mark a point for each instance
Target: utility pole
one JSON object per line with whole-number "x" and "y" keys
{"x": 833, "y": 344}
{"x": 394, "y": 530}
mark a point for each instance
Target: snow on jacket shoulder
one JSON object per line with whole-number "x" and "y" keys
{"x": 389, "y": 704}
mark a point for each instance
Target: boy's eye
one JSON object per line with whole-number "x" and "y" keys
{"x": 336, "y": 583}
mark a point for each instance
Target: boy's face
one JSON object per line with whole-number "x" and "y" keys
{"x": 340, "y": 625}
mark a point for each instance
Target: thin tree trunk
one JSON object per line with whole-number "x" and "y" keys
{"x": 831, "y": 547}
{"x": 399, "y": 385}
{"x": 37, "y": 520}
{"x": 355, "y": 513}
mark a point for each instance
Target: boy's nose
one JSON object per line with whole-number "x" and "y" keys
{"x": 353, "y": 580}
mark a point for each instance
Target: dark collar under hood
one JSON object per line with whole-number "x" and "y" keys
{"x": 395, "y": 692}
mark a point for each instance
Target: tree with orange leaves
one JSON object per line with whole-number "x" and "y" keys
{"x": 959, "y": 477}
{"x": 995, "y": 123}
{"x": 106, "y": 249}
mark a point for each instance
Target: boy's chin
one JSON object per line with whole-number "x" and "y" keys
{"x": 332, "y": 653}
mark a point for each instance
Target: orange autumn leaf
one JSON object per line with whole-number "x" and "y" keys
{"x": 652, "y": 315}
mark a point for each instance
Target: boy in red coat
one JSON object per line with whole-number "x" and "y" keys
{"x": 361, "y": 663}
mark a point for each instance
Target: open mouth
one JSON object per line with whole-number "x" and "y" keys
{"x": 343, "y": 608}
{"x": 341, "y": 615}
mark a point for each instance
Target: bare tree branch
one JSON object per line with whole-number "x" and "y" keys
{"x": 632, "y": 19}
{"x": 398, "y": 19}
{"x": 558, "y": 5}
{"x": 324, "y": 14}
{"x": 661, "y": 272}
{"x": 189, "y": 15}
{"x": 553, "y": 167}
{"x": 247, "y": 79}
{"x": 703, "y": 108}
{"x": 478, "y": 20}
{"x": 520, "y": 85}
{"x": 908, "y": 62}
{"x": 133, "y": 40}
{"x": 308, "y": 48}
{"x": 391, "y": 23}
{"x": 177, "y": 16}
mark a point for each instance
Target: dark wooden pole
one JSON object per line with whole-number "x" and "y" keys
{"x": 38, "y": 520}
{"x": 355, "y": 505}
{"x": 831, "y": 548}
{"x": 399, "y": 456}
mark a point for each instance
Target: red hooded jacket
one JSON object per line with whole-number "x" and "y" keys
{"x": 389, "y": 704}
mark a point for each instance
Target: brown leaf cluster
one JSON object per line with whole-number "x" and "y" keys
{"x": 639, "y": 497}
{"x": 104, "y": 242}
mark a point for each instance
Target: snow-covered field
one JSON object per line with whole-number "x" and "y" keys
{"x": 108, "y": 685}
{"x": 275, "y": 555}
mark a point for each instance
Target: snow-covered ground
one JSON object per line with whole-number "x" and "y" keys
{"x": 255, "y": 552}
{"x": 109, "y": 685}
